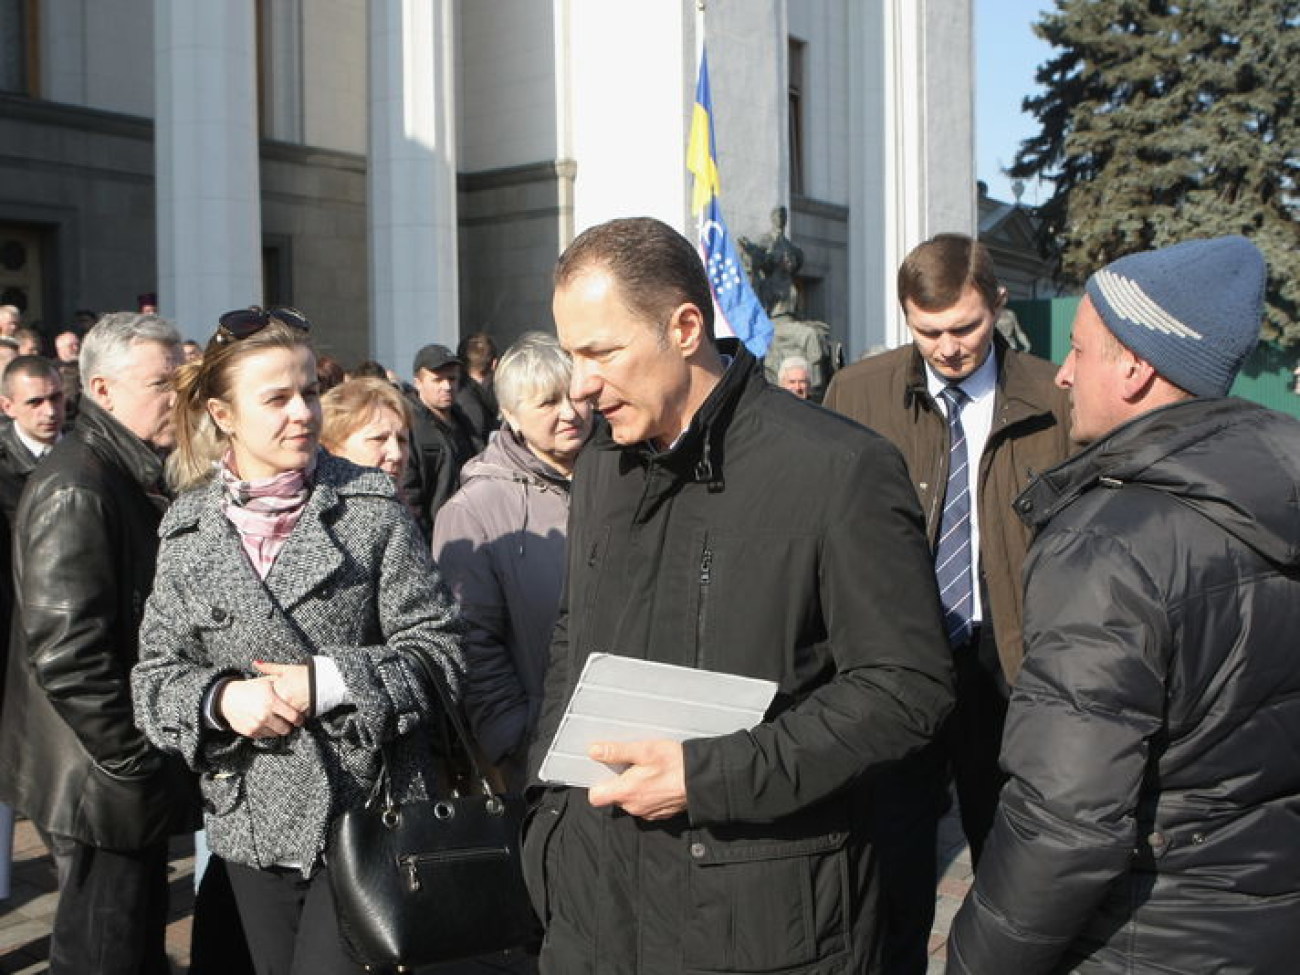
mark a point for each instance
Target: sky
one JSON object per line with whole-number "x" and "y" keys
{"x": 1007, "y": 54}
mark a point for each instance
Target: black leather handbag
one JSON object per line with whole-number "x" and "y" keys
{"x": 431, "y": 880}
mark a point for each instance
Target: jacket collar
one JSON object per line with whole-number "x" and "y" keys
{"x": 1018, "y": 396}
{"x": 1127, "y": 454}
{"x": 312, "y": 552}
{"x": 24, "y": 461}
{"x": 508, "y": 458}
{"x": 698, "y": 455}
{"x": 108, "y": 436}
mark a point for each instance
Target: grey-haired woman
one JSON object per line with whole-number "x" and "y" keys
{"x": 500, "y": 543}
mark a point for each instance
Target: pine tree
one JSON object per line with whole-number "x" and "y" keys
{"x": 1164, "y": 120}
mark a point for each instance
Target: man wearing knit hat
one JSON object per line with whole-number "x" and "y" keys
{"x": 1152, "y": 813}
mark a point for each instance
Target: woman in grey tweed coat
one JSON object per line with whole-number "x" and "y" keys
{"x": 292, "y": 590}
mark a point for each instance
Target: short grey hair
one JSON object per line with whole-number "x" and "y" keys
{"x": 534, "y": 364}
{"x": 105, "y": 348}
{"x": 794, "y": 362}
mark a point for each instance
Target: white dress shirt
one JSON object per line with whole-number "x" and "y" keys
{"x": 34, "y": 447}
{"x": 977, "y": 422}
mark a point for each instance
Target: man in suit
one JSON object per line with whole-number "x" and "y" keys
{"x": 31, "y": 396}
{"x": 1012, "y": 422}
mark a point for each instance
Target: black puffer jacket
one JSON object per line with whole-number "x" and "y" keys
{"x": 775, "y": 540}
{"x": 1152, "y": 820}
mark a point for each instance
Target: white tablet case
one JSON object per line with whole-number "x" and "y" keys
{"x": 624, "y": 699}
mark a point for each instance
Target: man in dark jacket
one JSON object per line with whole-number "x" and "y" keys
{"x": 85, "y": 541}
{"x": 1152, "y": 815}
{"x": 693, "y": 542}
{"x": 31, "y": 396}
{"x": 1015, "y": 424}
{"x": 442, "y": 438}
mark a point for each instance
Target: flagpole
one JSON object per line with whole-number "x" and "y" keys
{"x": 699, "y": 55}
{"x": 699, "y": 30}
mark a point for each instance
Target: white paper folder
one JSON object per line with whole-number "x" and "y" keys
{"x": 622, "y": 699}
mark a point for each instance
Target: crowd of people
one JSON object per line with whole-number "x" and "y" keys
{"x": 1066, "y": 596}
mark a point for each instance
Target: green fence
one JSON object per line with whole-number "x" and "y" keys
{"x": 1266, "y": 378}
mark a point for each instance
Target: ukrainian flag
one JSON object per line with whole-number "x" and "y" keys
{"x": 734, "y": 299}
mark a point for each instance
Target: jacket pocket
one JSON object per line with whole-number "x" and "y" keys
{"x": 120, "y": 812}
{"x": 538, "y": 830}
{"x": 595, "y": 553}
{"x": 222, "y": 792}
{"x": 766, "y": 905}
{"x": 696, "y": 616}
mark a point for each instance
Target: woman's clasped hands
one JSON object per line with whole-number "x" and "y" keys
{"x": 268, "y": 706}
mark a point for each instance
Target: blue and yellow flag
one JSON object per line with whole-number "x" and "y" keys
{"x": 734, "y": 299}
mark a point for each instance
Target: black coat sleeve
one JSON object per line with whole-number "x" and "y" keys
{"x": 70, "y": 611}
{"x": 1085, "y": 709}
{"x": 892, "y": 685}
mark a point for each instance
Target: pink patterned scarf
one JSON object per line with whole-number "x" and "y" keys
{"x": 264, "y": 511}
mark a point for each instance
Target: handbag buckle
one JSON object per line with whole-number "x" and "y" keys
{"x": 390, "y": 817}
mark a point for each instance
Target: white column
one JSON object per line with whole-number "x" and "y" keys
{"x": 747, "y": 43}
{"x": 205, "y": 144}
{"x": 626, "y": 115}
{"x": 948, "y": 86}
{"x": 870, "y": 143}
{"x": 914, "y": 148}
{"x": 412, "y": 179}
{"x": 282, "y": 57}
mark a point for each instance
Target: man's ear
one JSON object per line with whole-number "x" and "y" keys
{"x": 686, "y": 329}
{"x": 100, "y": 393}
{"x": 6, "y": 406}
{"x": 1136, "y": 377}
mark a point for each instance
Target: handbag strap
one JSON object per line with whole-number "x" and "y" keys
{"x": 435, "y": 680}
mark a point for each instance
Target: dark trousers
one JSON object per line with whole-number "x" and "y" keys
{"x": 112, "y": 913}
{"x": 973, "y": 736}
{"x": 217, "y": 942}
{"x": 911, "y": 798}
{"x": 290, "y": 922}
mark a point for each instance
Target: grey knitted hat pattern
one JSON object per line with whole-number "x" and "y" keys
{"x": 1192, "y": 310}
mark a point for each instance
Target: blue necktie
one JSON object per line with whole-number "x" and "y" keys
{"x": 952, "y": 556}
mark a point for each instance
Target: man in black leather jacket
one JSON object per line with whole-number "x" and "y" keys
{"x": 1152, "y": 815}
{"x": 85, "y": 546}
{"x": 31, "y": 395}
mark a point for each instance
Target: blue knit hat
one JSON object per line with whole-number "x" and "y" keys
{"x": 1192, "y": 310}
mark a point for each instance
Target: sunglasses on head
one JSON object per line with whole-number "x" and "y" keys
{"x": 243, "y": 322}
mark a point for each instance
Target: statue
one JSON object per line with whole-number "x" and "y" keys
{"x": 1008, "y": 324}
{"x": 773, "y": 264}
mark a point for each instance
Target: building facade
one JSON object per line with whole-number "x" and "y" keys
{"x": 407, "y": 171}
